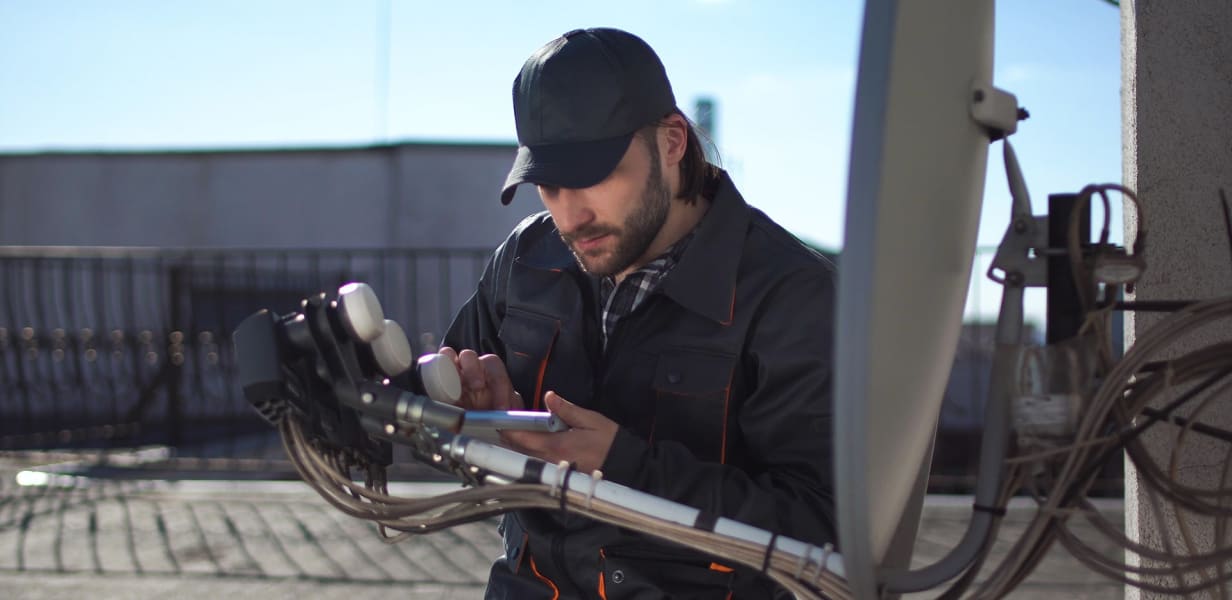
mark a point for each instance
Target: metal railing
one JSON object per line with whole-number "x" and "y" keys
{"x": 123, "y": 348}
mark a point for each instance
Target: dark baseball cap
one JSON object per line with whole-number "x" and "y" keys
{"x": 577, "y": 104}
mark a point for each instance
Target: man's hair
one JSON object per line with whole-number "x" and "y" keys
{"x": 698, "y": 177}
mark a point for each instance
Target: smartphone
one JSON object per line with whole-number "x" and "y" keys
{"x": 487, "y": 424}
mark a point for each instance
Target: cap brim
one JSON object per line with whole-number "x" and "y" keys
{"x": 571, "y": 165}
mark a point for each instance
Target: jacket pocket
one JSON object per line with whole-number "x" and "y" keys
{"x": 646, "y": 572}
{"x": 528, "y": 340}
{"x": 692, "y": 396}
{"x": 513, "y": 539}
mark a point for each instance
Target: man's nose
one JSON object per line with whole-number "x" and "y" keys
{"x": 574, "y": 212}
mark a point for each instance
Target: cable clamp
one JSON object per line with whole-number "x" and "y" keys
{"x": 564, "y": 469}
{"x": 765, "y": 561}
{"x": 561, "y": 467}
{"x": 595, "y": 477}
{"x": 826, "y": 551}
{"x": 804, "y": 559}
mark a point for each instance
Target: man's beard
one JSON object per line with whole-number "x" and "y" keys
{"x": 637, "y": 233}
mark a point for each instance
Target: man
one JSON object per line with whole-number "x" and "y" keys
{"x": 683, "y": 336}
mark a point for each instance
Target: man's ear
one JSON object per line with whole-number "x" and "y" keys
{"x": 673, "y": 139}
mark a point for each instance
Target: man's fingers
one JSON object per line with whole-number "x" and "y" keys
{"x": 533, "y": 443}
{"x": 452, "y": 355}
{"x": 552, "y": 401}
{"x": 514, "y": 439}
{"x": 474, "y": 380}
{"x": 572, "y": 414}
{"x": 449, "y": 353}
{"x": 472, "y": 373}
{"x": 500, "y": 389}
{"x": 586, "y": 448}
{"x": 485, "y": 382}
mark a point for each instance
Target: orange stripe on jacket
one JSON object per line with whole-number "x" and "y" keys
{"x": 726, "y": 403}
{"x": 602, "y": 586}
{"x": 540, "y": 577}
{"x": 543, "y": 367}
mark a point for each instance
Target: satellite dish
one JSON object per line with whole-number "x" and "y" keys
{"x": 914, "y": 194}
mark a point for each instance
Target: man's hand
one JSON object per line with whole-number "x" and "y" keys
{"x": 485, "y": 382}
{"x": 585, "y": 444}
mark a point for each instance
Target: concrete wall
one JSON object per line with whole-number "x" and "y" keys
{"x": 410, "y": 195}
{"x": 1177, "y": 112}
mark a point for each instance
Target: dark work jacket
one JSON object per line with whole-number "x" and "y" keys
{"x": 720, "y": 382}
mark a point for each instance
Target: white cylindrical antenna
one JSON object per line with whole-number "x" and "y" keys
{"x": 360, "y": 311}
{"x": 440, "y": 378}
{"x": 392, "y": 350}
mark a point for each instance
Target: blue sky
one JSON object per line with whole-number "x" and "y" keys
{"x": 155, "y": 74}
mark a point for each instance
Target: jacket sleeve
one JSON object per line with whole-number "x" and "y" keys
{"x": 477, "y": 324}
{"x": 785, "y": 421}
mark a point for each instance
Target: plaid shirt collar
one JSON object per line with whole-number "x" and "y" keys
{"x": 619, "y": 300}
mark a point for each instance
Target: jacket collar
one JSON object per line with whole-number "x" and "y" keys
{"x": 704, "y": 281}
{"x": 548, "y": 252}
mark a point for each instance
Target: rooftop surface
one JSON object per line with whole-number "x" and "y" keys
{"x": 153, "y": 539}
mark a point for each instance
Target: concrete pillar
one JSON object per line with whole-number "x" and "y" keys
{"x": 1177, "y": 144}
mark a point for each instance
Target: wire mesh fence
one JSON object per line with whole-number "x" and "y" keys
{"x": 128, "y": 351}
